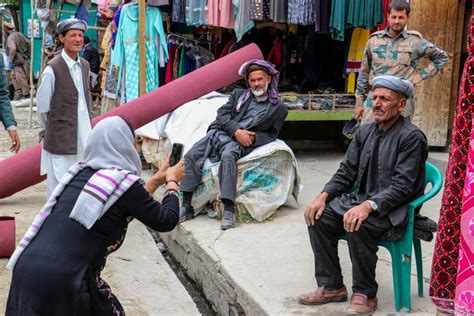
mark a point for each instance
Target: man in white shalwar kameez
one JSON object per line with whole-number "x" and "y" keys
{"x": 63, "y": 101}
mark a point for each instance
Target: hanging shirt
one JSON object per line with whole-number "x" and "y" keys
{"x": 220, "y": 13}
{"x": 302, "y": 12}
{"x": 356, "y": 49}
{"x": 126, "y": 54}
{"x": 243, "y": 24}
{"x": 279, "y": 11}
{"x": 169, "y": 66}
{"x": 323, "y": 13}
{"x": 196, "y": 12}
{"x": 259, "y": 9}
{"x": 365, "y": 13}
{"x": 179, "y": 11}
{"x": 57, "y": 165}
{"x": 337, "y": 22}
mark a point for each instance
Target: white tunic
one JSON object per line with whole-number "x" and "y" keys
{"x": 55, "y": 166}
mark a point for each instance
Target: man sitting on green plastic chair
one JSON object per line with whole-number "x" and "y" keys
{"x": 383, "y": 170}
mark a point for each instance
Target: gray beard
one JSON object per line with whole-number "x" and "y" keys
{"x": 260, "y": 93}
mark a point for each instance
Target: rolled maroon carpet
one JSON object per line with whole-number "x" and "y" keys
{"x": 23, "y": 170}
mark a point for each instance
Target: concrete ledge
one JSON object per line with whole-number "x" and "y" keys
{"x": 207, "y": 270}
{"x": 260, "y": 268}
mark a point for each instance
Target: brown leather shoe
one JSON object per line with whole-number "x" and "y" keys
{"x": 322, "y": 296}
{"x": 361, "y": 305}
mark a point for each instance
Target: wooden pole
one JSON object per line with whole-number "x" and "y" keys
{"x": 32, "y": 59}
{"x": 42, "y": 51}
{"x": 142, "y": 45}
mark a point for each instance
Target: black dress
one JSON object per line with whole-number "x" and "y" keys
{"x": 59, "y": 272}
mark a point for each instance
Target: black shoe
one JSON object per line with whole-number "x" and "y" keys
{"x": 186, "y": 214}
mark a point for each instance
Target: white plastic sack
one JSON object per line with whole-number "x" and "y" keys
{"x": 266, "y": 179}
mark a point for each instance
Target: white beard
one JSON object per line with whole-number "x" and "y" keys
{"x": 260, "y": 92}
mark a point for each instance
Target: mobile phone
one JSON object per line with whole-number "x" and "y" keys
{"x": 176, "y": 154}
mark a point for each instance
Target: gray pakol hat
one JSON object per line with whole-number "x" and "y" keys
{"x": 71, "y": 24}
{"x": 403, "y": 86}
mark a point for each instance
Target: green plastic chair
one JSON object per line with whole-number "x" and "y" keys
{"x": 401, "y": 250}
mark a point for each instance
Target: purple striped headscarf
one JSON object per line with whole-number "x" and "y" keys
{"x": 112, "y": 152}
{"x": 272, "y": 90}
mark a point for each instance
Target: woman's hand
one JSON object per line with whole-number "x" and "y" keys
{"x": 176, "y": 172}
{"x": 174, "y": 175}
{"x": 159, "y": 178}
{"x": 160, "y": 175}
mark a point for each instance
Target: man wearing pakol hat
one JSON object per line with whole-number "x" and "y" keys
{"x": 252, "y": 117}
{"x": 64, "y": 105}
{"x": 382, "y": 171}
{"x": 18, "y": 49}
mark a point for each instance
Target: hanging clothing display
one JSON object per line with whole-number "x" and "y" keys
{"x": 184, "y": 57}
{"x": 259, "y": 10}
{"x": 196, "y": 12}
{"x": 323, "y": 13}
{"x": 276, "y": 53}
{"x": 169, "y": 66}
{"x": 365, "y": 13}
{"x": 354, "y": 13}
{"x": 279, "y": 11}
{"x": 445, "y": 266}
{"x": 337, "y": 22}
{"x": 199, "y": 56}
{"x": 157, "y": 3}
{"x": 111, "y": 79}
{"x": 382, "y": 25}
{"x": 302, "y": 12}
{"x": 126, "y": 55}
{"x": 359, "y": 39}
{"x": 243, "y": 24}
{"x": 220, "y": 13}
{"x": 178, "y": 13}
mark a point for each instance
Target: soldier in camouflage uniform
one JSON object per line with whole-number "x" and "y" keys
{"x": 396, "y": 52}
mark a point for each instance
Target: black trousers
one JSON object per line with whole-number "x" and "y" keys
{"x": 324, "y": 236}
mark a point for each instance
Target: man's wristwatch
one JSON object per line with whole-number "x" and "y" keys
{"x": 373, "y": 205}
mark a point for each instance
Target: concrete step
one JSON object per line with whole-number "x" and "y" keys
{"x": 260, "y": 268}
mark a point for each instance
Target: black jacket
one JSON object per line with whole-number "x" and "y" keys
{"x": 403, "y": 151}
{"x": 266, "y": 129}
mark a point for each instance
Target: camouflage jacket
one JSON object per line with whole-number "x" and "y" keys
{"x": 399, "y": 57}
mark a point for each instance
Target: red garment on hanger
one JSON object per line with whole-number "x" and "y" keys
{"x": 226, "y": 48}
{"x": 276, "y": 53}
{"x": 169, "y": 65}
